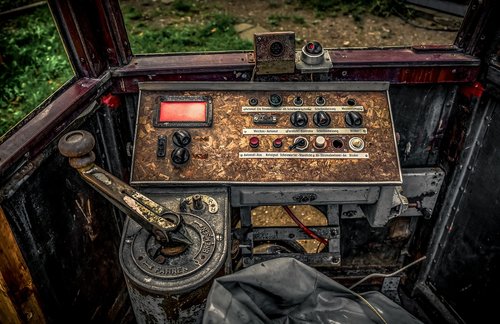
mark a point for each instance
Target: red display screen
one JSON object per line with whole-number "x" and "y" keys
{"x": 183, "y": 111}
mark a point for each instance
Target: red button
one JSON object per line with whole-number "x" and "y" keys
{"x": 277, "y": 143}
{"x": 254, "y": 142}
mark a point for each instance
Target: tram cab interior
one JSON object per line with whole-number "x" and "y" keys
{"x": 145, "y": 179}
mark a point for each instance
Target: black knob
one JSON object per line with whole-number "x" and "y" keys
{"x": 76, "y": 144}
{"x": 180, "y": 155}
{"x": 298, "y": 119}
{"x": 353, "y": 119}
{"x": 321, "y": 119}
{"x": 181, "y": 138}
{"x": 275, "y": 100}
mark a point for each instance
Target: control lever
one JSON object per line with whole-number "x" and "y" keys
{"x": 299, "y": 143}
{"x": 164, "y": 224}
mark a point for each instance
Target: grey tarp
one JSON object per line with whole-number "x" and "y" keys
{"x": 285, "y": 290}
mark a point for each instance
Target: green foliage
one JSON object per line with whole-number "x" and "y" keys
{"x": 131, "y": 13}
{"x": 215, "y": 35}
{"x": 356, "y": 8}
{"x": 34, "y": 65}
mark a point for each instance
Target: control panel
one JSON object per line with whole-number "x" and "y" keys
{"x": 265, "y": 133}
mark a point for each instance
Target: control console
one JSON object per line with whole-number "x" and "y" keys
{"x": 265, "y": 133}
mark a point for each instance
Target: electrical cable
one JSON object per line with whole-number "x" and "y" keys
{"x": 388, "y": 275}
{"x": 370, "y": 306}
{"x": 304, "y": 227}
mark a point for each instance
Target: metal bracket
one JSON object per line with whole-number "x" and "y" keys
{"x": 249, "y": 235}
{"x": 390, "y": 288}
{"x": 323, "y": 67}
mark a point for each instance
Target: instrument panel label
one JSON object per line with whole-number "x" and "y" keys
{"x": 255, "y": 109}
{"x": 303, "y": 131}
{"x": 303, "y": 155}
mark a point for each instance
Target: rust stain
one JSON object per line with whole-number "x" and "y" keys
{"x": 215, "y": 150}
{"x": 89, "y": 218}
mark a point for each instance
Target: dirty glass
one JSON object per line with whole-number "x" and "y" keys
{"x": 160, "y": 26}
{"x": 33, "y": 63}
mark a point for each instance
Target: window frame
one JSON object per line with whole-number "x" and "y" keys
{"x": 97, "y": 44}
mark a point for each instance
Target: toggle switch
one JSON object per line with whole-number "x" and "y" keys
{"x": 299, "y": 143}
{"x": 161, "y": 148}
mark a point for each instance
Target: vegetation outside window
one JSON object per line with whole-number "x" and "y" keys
{"x": 161, "y": 26}
{"x": 33, "y": 64}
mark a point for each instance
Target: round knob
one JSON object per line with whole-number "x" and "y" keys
{"x": 181, "y": 138}
{"x": 353, "y": 119}
{"x": 321, "y": 119}
{"x": 76, "y": 144}
{"x": 180, "y": 155}
{"x": 298, "y": 119}
{"x": 275, "y": 100}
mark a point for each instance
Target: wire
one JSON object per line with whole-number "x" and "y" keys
{"x": 304, "y": 227}
{"x": 370, "y": 306}
{"x": 390, "y": 274}
{"x": 320, "y": 245}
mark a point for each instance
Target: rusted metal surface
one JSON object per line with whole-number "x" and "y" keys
{"x": 396, "y": 65}
{"x": 181, "y": 308}
{"x": 33, "y": 137}
{"x": 215, "y": 150}
{"x": 163, "y": 223}
{"x": 68, "y": 236}
{"x": 478, "y": 27}
{"x": 274, "y": 53}
{"x": 174, "y": 287}
{"x": 19, "y": 300}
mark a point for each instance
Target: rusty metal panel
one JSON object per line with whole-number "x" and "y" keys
{"x": 274, "y": 52}
{"x": 395, "y": 65}
{"x": 216, "y": 151}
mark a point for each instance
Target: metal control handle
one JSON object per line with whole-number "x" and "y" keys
{"x": 163, "y": 223}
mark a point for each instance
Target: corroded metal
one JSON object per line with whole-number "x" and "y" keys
{"x": 268, "y": 60}
{"x": 162, "y": 222}
{"x": 215, "y": 151}
{"x": 165, "y": 224}
{"x": 173, "y": 288}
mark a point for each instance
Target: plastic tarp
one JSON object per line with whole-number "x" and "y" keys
{"x": 285, "y": 290}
